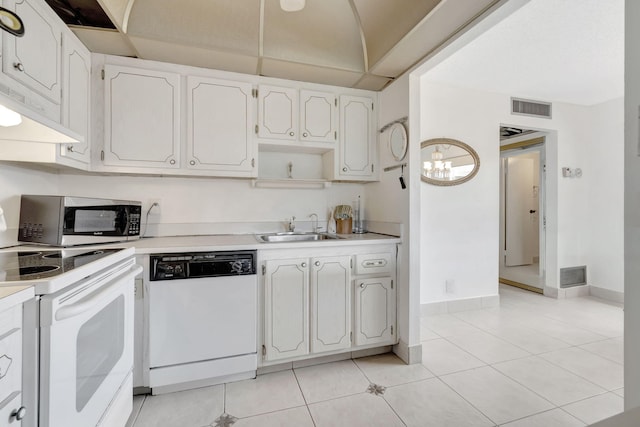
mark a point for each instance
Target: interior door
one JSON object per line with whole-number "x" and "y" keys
{"x": 519, "y": 233}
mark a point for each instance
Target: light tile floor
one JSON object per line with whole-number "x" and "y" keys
{"x": 534, "y": 361}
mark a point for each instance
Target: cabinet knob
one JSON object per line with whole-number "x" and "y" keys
{"x": 291, "y": 133}
{"x": 192, "y": 162}
{"x": 344, "y": 169}
{"x": 303, "y": 265}
{"x": 362, "y": 285}
{"x": 317, "y": 263}
{"x": 19, "y": 414}
{"x": 18, "y": 66}
{"x": 305, "y": 134}
{"x": 172, "y": 161}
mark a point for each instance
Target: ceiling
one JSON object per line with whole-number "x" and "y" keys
{"x": 568, "y": 51}
{"x": 353, "y": 43}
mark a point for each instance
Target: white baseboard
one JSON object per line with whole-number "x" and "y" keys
{"x": 607, "y": 294}
{"x": 409, "y": 354}
{"x": 457, "y": 305}
{"x": 585, "y": 290}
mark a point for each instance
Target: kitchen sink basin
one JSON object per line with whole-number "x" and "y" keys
{"x": 293, "y": 237}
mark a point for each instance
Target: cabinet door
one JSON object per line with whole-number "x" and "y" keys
{"x": 76, "y": 72}
{"x": 34, "y": 59}
{"x": 356, "y": 158}
{"x": 286, "y": 308}
{"x": 317, "y": 116}
{"x": 375, "y": 307}
{"x": 142, "y": 118}
{"x": 219, "y": 127}
{"x": 330, "y": 303}
{"x": 277, "y": 112}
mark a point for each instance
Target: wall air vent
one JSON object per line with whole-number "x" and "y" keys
{"x": 573, "y": 276}
{"x": 527, "y": 107}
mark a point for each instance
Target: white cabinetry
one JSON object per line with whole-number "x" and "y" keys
{"x": 142, "y": 118}
{"x": 330, "y": 303}
{"x": 76, "y": 72}
{"x": 356, "y": 160}
{"x": 321, "y": 303}
{"x": 286, "y": 308}
{"x": 219, "y": 129}
{"x": 34, "y": 59}
{"x": 277, "y": 112}
{"x": 318, "y": 116}
{"x": 375, "y": 311}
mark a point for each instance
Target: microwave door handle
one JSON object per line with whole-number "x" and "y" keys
{"x": 88, "y": 303}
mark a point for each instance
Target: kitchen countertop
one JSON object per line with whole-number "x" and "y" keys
{"x": 244, "y": 242}
{"x": 14, "y": 295}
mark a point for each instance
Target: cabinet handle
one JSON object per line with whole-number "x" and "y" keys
{"x": 303, "y": 265}
{"x": 305, "y": 135}
{"x": 291, "y": 133}
{"x": 344, "y": 169}
{"x": 18, "y": 66}
{"x": 173, "y": 162}
{"x": 19, "y": 414}
{"x": 192, "y": 162}
{"x": 317, "y": 263}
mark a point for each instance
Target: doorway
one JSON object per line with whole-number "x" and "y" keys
{"x": 522, "y": 213}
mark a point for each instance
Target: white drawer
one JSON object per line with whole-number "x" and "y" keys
{"x": 374, "y": 263}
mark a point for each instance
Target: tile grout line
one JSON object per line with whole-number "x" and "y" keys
{"x": 304, "y": 398}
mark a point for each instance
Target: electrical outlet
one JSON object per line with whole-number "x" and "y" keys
{"x": 154, "y": 207}
{"x": 450, "y": 287}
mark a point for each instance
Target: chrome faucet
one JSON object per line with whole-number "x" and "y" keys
{"x": 291, "y": 226}
{"x": 315, "y": 227}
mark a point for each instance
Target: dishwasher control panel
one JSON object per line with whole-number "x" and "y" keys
{"x": 193, "y": 265}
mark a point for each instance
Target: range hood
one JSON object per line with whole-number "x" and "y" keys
{"x": 34, "y": 127}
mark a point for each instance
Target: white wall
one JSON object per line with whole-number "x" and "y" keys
{"x": 387, "y": 201}
{"x": 460, "y": 224}
{"x": 632, "y": 207}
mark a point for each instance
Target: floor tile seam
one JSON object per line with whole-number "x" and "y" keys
{"x": 572, "y": 325}
{"x": 600, "y": 355}
{"x": 553, "y": 403}
{"x": 577, "y": 417}
{"x": 304, "y": 398}
{"x": 466, "y": 351}
{"x": 523, "y": 385}
{"x": 393, "y": 409}
{"x": 591, "y": 397}
{"x": 519, "y": 346}
{"x": 468, "y": 402}
{"x": 268, "y": 412}
{"x": 340, "y": 397}
{"x": 578, "y": 375}
{"x": 539, "y": 413}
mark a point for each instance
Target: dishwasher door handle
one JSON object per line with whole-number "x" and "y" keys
{"x": 88, "y": 302}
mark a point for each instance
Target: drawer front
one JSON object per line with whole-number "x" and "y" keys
{"x": 374, "y": 263}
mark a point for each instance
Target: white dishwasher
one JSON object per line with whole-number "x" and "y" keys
{"x": 202, "y": 319}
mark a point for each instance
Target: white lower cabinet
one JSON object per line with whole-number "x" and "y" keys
{"x": 315, "y": 305}
{"x": 375, "y": 311}
{"x": 286, "y": 298}
{"x": 330, "y": 304}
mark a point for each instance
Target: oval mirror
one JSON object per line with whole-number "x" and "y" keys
{"x": 447, "y": 161}
{"x": 398, "y": 141}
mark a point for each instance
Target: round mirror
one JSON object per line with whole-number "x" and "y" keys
{"x": 448, "y": 161}
{"x": 398, "y": 141}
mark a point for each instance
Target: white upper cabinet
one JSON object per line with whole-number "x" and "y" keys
{"x": 318, "y": 121}
{"x": 76, "y": 73}
{"x": 220, "y": 127}
{"x": 34, "y": 59}
{"x": 277, "y": 112}
{"x": 142, "y": 118}
{"x": 330, "y": 303}
{"x": 356, "y": 147}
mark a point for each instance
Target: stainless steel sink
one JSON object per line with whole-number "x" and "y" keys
{"x": 293, "y": 237}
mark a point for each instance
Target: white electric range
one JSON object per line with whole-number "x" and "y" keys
{"x": 78, "y": 334}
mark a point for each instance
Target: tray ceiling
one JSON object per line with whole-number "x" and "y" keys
{"x": 353, "y": 43}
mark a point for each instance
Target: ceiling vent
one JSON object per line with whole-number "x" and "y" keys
{"x": 531, "y": 108}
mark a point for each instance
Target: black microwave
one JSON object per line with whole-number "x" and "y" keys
{"x": 68, "y": 221}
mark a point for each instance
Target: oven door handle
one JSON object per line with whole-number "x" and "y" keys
{"x": 89, "y": 302}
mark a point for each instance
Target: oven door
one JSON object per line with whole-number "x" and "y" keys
{"x": 86, "y": 350}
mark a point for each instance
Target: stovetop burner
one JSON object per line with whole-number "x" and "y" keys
{"x": 31, "y": 265}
